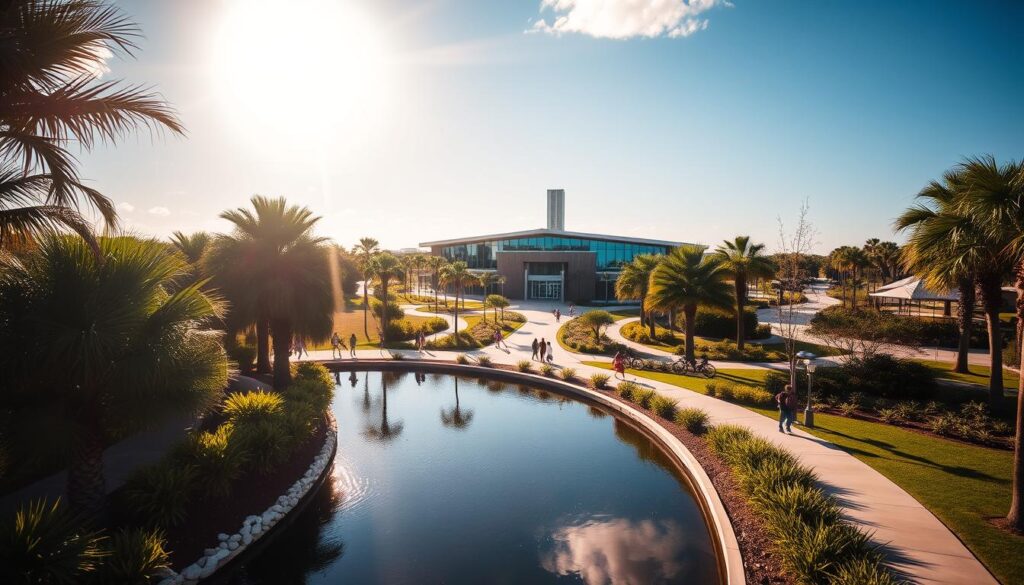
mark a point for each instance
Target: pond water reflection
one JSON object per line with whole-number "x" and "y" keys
{"x": 455, "y": 480}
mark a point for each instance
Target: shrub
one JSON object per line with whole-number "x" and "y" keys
{"x": 136, "y": 557}
{"x": 711, "y": 389}
{"x": 578, "y": 336}
{"x": 464, "y": 340}
{"x": 663, "y": 406}
{"x": 694, "y": 420}
{"x": 524, "y": 365}
{"x": 567, "y": 373}
{"x": 245, "y": 356}
{"x": 848, "y": 408}
{"x": 547, "y": 370}
{"x": 644, "y": 397}
{"x": 753, "y": 396}
{"x": 254, "y": 405}
{"x": 396, "y": 356}
{"x": 864, "y": 571}
{"x": 599, "y": 381}
{"x": 159, "y": 494}
{"x": 266, "y": 442}
{"x": 722, "y": 438}
{"x": 311, "y": 371}
{"x": 315, "y": 393}
{"x": 882, "y": 375}
{"x": 216, "y": 460}
{"x": 483, "y": 360}
{"x": 47, "y": 543}
{"x": 889, "y": 415}
{"x": 627, "y": 389}
{"x": 461, "y": 359}
{"x": 726, "y": 391}
{"x": 710, "y": 323}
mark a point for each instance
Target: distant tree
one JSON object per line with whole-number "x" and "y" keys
{"x": 743, "y": 261}
{"x": 686, "y": 280}
{"x": 498, "y": 302}
{"x": 364, "y": 251}
{"x": 632, "y": 284}
{"x": 596, "y": 321}
{"x": 456, "y": 274}
{"x": 96, "y": 347}
{"x": 384, "y": 268}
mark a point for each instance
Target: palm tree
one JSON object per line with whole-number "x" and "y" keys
{"x": 930, "y": 253}
{"x": 486, "y": 280}
{"x": 50, "y": 97}
{"x": 686, "y": 279}
{"x": 435, "y": 263}
{"x": 387, "y": 430}
{"x": 455, "y": 417}
{"x": 276, "y": 274}
{"x": 886, "y": 256}
{"x": 743, "y": 261}
{"x": 194, "y": 248}
{"x": 994, "y": 194}
{"x": 94, "y": 347}
{"x": 365, "y": 250}
{"x": 632, "y": 284}
{"x": 384, "y": 267}
{"x": 456, "y": 274}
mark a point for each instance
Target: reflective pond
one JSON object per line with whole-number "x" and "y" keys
{"x": 452, "y": 480}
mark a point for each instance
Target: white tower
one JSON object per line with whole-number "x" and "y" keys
{"x": 556, "y": 209}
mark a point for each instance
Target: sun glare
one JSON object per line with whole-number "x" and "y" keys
{"x": 309, "y": 72}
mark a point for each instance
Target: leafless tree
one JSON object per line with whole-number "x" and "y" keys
{"x": 793, "y": 246}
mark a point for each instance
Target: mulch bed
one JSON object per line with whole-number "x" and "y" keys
{"x": 253, "y": 493}
{"x": 756, "y": 547}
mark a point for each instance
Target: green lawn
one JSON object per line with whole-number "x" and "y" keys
{"x": 979, "y": 374}
{"x": 964, "y": 485}
{"x": 620, "y": 314}
{"x": 349, "y": 320}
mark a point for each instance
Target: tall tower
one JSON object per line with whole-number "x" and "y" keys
{"x": 556, "y": 209}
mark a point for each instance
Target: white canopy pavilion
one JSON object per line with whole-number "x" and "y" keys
{"x": 910, "y": 291}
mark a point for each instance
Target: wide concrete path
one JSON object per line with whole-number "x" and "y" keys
{"x": 917, "y": 542}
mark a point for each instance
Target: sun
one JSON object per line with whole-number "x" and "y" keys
{"x": 305, "y": 72}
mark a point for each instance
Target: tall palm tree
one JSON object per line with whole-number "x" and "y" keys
{"x": 384, "y": 267}
{"x": 456, "y": 274}
{"x": 486, "y": 280}
{"x": 93, "y": 348}
{"x": 365, "y": 250}
{"x": 632, "y": 284}
{"x": 743, "y": 261}
{"x": 194, "y": 248}
{"x": 930, "y": 253}
{"x": 50, "y": 97}
{"x": 886, "y": 255}
{"x": 435, "y": 263}
{"x": 994, "y": 193}
{"x": 276, "y": 274}
{"x": 685, "y": 279}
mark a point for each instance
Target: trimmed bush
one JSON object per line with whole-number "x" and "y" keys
{"x": 216, "y": 459}
{"x": 524, "y": 365}
{"x": 461, "y": 359}
{"x": 159, "y": 495}
{"x": 627, "y": 389}
{"x": 722, "y": 325}
{"x": 599, "y": 381}
{"x": 547, "y": 370}
{"x": 483, "y": 360}
{"x": 48, "y": 543}
{"x": 567, "y": 373}
{"x": 644, "y": 397}
{"x": 577, "y": 335}
{"x": 136, "y": 557}
{"x": 663, "y": 406}
{"x": 254, "y": 405}
{"x": 694, "y": 420}
{"x": 267, "y": 442}
{"x": 878, "y": 375}
{"x": 752, "y": 396}
{"x": 464, "y": 340}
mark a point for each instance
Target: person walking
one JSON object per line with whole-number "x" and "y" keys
{"x": 558, "y": 316}
{"x": 352, "y": 341}
{"x": 787, "y": 408}
{"x": 543, "y": 348}
{"x": 551, "y": 354}
{"x": 572, "y": 310}
{"x": 619, "y": 365}
{"x": 535, "y": 348}
{"x": 335, "y": 345}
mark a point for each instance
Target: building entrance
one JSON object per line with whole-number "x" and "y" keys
{"x": 545, "y": 289}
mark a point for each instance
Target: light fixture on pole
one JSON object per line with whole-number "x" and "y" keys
{"x": 808, "y": 359}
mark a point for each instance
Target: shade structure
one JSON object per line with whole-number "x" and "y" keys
{"x": 913, "y": 289}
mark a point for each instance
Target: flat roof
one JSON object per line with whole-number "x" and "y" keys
{"x": 549, "y": 232}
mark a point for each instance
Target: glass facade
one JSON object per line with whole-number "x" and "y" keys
{"x": 610, "y": 255}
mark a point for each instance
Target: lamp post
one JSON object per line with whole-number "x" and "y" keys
{"x": 808, "y": 359}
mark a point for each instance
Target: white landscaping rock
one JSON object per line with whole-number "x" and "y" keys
{"x": 192, "y": 572}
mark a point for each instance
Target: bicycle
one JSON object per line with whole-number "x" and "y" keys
{"x": 684, "y": 366}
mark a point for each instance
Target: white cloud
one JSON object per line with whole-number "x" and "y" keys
{"x": 624, "y": 19}
{"x": 159, "y": 210}
{"x": 125, "y": 207}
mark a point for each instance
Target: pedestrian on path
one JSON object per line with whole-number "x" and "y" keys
{"x": 352, "y": 341}
{"x": 551, "y": 354}
{"x": 572, "y": 310}
{"x": 535, "y": 348}
{"x": 619, "y": 365}
{"x": 558, "y": 316}
{"x": 543, "y": 348}
{"x": 335, "y": 345}
{"x": 499, "y": 339}
{"x": 787, "y": 408}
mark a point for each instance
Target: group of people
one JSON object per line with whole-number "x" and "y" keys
{"x": 558, "y": 313}
{"x": 542, "y": 349}
{"x": 337, "y": 346}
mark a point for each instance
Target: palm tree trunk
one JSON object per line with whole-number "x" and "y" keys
{"x": 86, "y": 484}
{"x": 282, "y": 331}
{"x": 384, "y": 312}
{"x": 991, "y": 299}
{"x": 965, "y": 322}
{"x": 690, "y": 312}
{"x": 262, "y": 345}
{"x": 1015, "y": 517}
{"x": 366, "y": 310}
{"x": 741, "y": 286}
{"x": 457, "y": 291}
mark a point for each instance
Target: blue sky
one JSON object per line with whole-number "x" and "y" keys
{"x": 696, "y": 122}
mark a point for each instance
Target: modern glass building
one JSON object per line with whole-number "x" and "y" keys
{"x": 551, "y": 263}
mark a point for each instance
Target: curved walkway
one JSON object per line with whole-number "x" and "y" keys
{"x": 918, "y": 543}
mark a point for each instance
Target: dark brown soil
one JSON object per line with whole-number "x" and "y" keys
{"x": 253, "y": 493}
